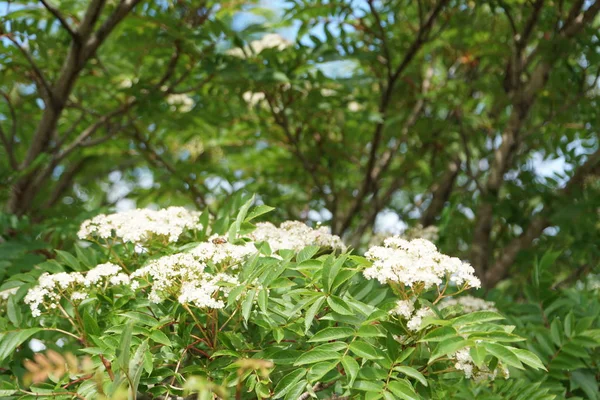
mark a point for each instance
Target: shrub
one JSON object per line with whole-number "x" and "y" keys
{"x": 159, "y": 304}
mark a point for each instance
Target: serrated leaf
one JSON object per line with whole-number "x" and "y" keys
{"x": 315, "y": 356}
{"x": 9, "y": 341}
{"x": 439, "y": 334}
{"x": 306, "y": 253}
{"x": 333, "y": 333}
{"x": 286, "y": 384}
{"x": 365, "y": 350}
{"x": 247, "y": 304}
{"x": 476, "y": 317}
{"x": 351, "y": 367}
{"x": 503, "y": 354}
{"x": 160, "y": 337}
{"x": 447, "y": 346}
{"x": 527, "y": 357}
{"x": 311, "y": 312}
{"x": 413, "y": 373}
{"x": 368, "y": 386}
{"x": 403, "y": 389}
{"x": 258, "y": 211}
{"x": 339, "y": 305}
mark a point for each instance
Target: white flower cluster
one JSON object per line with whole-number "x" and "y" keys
{"x": 5, "y": 294}
{"x": 218, "y": 251}
{"x": 183, "y": 276}
{"x": 268, "y": 41}
{"x": 406, "y": 310}
{"x": 465, "y": 363}
{"x": 469, "y": 304}
{"x": 417, "y": 262}
{"x": 75, "y": 286}
{"x": 138, "y": 226}
{"x": 415, "y": 322}
{"x": 253, "y": 98}
{"x": 180, "y": 102}
{"x": 294, "y": 235}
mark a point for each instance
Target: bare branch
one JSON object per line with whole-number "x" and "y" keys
{"x": 90, "y": 130}
{"x": 536, "y": 227}
{"x": 507, "y": 11}
{"x": 64, "y": 183}
{"x": 47, "y": 93}
{"x": 96, "y": 39}
{"x": 441, "y": 192}
{"x": 156, "y": 158}
{"x": 54, "y": 11}
{"x": 384, "y": 45}
{"x": 8, "y": 148}
{"x": 414, "y": 48}
{"x": 9, "y": 140}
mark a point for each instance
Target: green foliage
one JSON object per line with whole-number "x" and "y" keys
{"x": 296, "y": 323}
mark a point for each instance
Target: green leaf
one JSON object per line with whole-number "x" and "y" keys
{"x": 503, "y": 354}
{"x": 160, "y": 337}
{"x": 448, "y": 346}
{"x": 556, "y": 332}
{"x": 258, "y": 211}
{"x": 263, "y": 299}
{"x": 587, "y": 382}
{"x": 247, "y": 304}
{"x": 404, "y": 355}
{"x": 319, "y": 370}
{"x": 9, "y": 341}
{"x": 286, "y": 384}
{"x": 311, "y": 312}
{"x": 439, "y": 334}
{"x": 68, "y": 259}
{"x": 136, "y": 365}
{"x": 403, "y": 389}
{"x": 351, "y": 367}
{"x": 90, "y": 324}
{"x": 413, "y": 373}
{"x": 365, "y": 350}
{"x": 13, "y": 311}
{"x": 369, "y": 386}
{"x": 478, "y": 354}
{"x": 296, "y": 390}
{"x": 328, "y": 334}
{"x": 125, "y": 347}
{"x": 476, "y": 317}
{"x": 142, "y": 318}
{"x": 315, "y": 356}
{"x": 527, "y": 357}
{"x": 306, "y": 253}
{"x": 331, "y": 269}
{"x": 339, "y": 306}
{"x": 241, "y": 216}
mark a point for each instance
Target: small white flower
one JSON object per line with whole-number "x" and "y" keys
{"x": 404, "y": 308}
{"x": 139, "y": 226}
{"x": 294, "y": 235}
{"x": 416, "y": 262}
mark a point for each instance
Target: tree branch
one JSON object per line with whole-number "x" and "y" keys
{"x": 509, "y": 253}
{"x": 47, "y": 93}
{"x": 64, "y": 183}
{"x": 54, "y": 11}
{"x": 156, "y": 158}
{"x": 441, "y": 192}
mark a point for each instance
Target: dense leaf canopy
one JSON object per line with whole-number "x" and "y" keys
{"x": 476, "y": 120}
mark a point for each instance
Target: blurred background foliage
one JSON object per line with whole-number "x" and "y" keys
{"x": 477, "y": 117}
